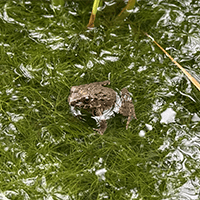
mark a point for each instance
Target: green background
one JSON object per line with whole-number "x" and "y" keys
{"x": 46, "y": 153}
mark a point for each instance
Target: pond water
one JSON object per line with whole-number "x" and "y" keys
{"x": 46, "y": 153}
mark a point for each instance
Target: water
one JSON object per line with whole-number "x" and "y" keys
{"x": 46, "y": 153}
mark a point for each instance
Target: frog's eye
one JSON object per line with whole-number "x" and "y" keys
{"x": 87, "y": 100}
{"x": 72, "y": 103}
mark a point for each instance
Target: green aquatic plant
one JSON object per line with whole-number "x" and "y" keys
{"x": 58, "y": 2}
{"x": 129, "y": 6}
{"x": 47, "y": 153}
{"x": 192, "y": 79}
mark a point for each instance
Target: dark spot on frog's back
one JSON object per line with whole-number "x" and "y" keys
{"x": 96, "y": 99}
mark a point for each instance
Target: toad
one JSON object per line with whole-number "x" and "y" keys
{"x": 101, "y": 102}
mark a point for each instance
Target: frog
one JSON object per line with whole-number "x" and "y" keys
{"x": 99, "y": 100}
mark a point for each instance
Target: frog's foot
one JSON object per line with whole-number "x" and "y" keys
{"x": 130, "y": 112}
{"x": 130, "y": 117}
{"x": 103, "y": 126}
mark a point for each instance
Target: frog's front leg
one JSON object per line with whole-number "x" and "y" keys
{"x": 103, "y": 127}
{"x": 102, "y": 123}
{"x": 127, "y": 108}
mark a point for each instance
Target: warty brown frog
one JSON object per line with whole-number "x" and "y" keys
{"x": 99, "y": 101}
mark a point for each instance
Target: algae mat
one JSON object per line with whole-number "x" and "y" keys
{"x": 46, "y": 153}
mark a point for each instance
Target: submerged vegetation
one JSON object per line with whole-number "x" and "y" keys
{"x": 130, "y": 5}
{"x": 46, "y": 153}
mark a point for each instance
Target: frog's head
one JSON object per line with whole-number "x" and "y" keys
{"x": 78, "y": 96}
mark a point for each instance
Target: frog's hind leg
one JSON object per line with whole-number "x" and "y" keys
{"x": 131, "y": 115}
{"x": 103, "y": 127}
{"x": 127, "y": 108}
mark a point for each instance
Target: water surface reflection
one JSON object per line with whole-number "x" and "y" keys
{"x": 46, "y": 153}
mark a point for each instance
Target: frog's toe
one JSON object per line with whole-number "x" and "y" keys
{"x": 98, "y": 130}
{"x": 129, "y": 119}
{"x": 127, "y": 123}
